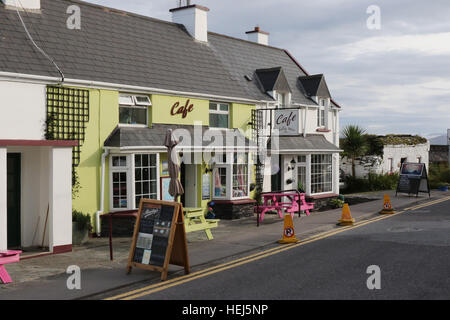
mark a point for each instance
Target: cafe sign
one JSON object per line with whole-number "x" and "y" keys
{"x": 286, "y": 121}
{"x": 182, "y": 109}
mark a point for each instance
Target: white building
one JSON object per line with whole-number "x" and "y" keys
{"x": 303, "y": 131}
{"x": 35, "y": 174}
{"x": 396, "y": 150}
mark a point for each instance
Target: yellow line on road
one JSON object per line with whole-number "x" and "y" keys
{"x": 135, "y": 294}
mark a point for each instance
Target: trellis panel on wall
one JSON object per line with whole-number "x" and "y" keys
{"x": 67, "y": 116}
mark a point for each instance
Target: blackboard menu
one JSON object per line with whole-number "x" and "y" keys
{"x": 403, "y": 184}
{"x": 153, "y": 237}
{"x": 413, "y": 179}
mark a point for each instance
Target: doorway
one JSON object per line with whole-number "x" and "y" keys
{"x": 13, "y": 199}
{"x": 189, "y": 182}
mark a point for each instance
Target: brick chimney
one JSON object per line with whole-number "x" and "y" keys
{"x": 195, "y": 20}
{"x": 258, "y": 36}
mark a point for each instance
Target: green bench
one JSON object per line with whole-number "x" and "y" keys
{"x": 195, "y": 221}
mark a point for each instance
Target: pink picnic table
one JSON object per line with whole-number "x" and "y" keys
{"x": 7, "y": 257}
{"x": 290, "y": 202}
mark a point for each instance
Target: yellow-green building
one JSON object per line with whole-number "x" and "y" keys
{"x": 114, "y": 84}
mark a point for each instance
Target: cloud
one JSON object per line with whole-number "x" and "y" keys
{"x": 396, "y": 79}
{"x": 424, "y": 44}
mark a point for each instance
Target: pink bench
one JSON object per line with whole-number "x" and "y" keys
{"x": 294, "y": 202}
{"x": 7, "y": 257}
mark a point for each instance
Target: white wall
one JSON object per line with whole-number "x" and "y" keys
{"x": 381, "y": 164}
{"x": 34, "y": 194}
{"x": 397, "y": 152}
{"x": 3, "y": 197}
{"x": 60, "y": 217}
{"x": 23, "y": 111}
{"x": 194, "y": 20}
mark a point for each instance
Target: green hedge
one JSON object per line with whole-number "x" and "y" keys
{"x": 374, "y": 182}
{"x": 439, "y": 176}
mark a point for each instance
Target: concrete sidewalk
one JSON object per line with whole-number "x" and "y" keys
{"x": 45, "y": 277}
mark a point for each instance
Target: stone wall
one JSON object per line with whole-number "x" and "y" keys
{"x": 232, "y": 210}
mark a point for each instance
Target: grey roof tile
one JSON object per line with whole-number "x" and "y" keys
{"x": 126, "y": 48}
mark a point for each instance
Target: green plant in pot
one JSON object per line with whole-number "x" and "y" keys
{"x": 337, "y": 203}
{"x": 81, "y": 226}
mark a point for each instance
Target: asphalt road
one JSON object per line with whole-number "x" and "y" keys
{"x": 411, "y": 249}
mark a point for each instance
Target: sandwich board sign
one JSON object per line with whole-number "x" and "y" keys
{"x": 413, "y": 179}
{"x": 159, "y": 238}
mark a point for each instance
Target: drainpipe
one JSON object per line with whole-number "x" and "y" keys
{"x": 102, "y": 192}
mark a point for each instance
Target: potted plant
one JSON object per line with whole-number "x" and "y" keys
{"x": 81, "y": 226}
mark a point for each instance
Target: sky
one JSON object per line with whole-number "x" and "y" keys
{"x": 391, "y": 79}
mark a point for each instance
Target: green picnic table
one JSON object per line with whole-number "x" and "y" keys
{"x": 195, "y": 221}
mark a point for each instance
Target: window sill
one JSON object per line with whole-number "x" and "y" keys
{"x": 123, "y": 125}
{"x": 323, "y": 195}
{"x": 323, "y": 130}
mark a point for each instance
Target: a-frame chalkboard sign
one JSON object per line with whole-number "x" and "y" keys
{"x": 159, "y": 238}
{"x": 413, "y": 179}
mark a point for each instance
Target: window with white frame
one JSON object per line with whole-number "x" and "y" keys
{"x": 301, "y": 173}
{"x": 145, "y": 177}
{"x": 119, "y": 183}
{"x": 133, "y": 177}
{"x": 220, "y": 182}
{"x": 231, "y": 178}
{"x": 282, "y": 98}
{"x": 240, "y": 175}
{"x": 133, "y": 109}
{"x": 321, "y": 113}
{"x": 321, "y": 173}
{"x": 219, "y": 115}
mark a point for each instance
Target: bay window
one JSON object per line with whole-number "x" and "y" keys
{"x": 321, "y": 173}
{"x": 133, "y": 177}
{"x": 301, "y": 173}
{"x": 231, "y": 179}
{"x": 240, "y": 175}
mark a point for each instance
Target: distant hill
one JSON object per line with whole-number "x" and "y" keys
{"x": 439, "y": 140}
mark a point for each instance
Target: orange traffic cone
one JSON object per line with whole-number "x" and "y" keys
{"x": 387, "y": 206}
{"x": 288, "y": 231}
{"x": 346, "y": 219}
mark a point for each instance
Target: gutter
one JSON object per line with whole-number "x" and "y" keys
{"x": 5, "y": 76}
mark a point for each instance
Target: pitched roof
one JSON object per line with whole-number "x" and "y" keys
{"x": 315, "y": 85}
{"x": 128, "y": 49}
{"x": 273, "y": 79}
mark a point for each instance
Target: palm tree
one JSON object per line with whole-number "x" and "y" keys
{"x": 354, "y": 143}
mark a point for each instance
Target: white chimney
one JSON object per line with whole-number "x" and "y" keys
{"x": 23, "y": 4}
{"x": 195, "y": 20}
{"x": 258, "y": 36}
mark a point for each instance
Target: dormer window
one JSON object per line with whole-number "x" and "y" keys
{"x": 283, "y": 99}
